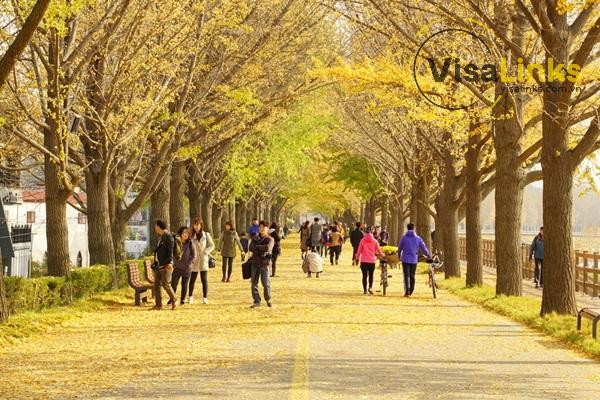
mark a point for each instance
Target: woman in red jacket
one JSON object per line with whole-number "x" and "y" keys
{"x": 366, "y": 255}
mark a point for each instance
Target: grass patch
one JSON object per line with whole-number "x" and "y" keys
{"x": 29, "y": 323}
{"x": 526, "y": 310}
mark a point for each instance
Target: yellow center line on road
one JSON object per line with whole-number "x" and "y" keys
{"x": 300, "y": 375}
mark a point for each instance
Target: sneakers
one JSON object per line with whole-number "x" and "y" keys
{"x": 223, "y": 279}
{"x": 255, "y": 305}
{"x": 205, "y": 300}
{"x": 269, "y": 304}
{"x": 365, "y": 293}
{"x": 228, "y": 280}
{"x": 191, "y": 300}
{"x": 370, "y": 291}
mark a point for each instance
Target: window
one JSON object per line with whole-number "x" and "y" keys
{"x": 81, "y": 218}
{"x": 31, "y": 217}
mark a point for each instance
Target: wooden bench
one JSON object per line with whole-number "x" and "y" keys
{"x": 133, "y": 277}
{"x": 589, "y": 313}
{"x": 148, "y": 273}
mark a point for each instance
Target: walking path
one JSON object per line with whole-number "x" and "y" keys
{"x": 322, "y": 340}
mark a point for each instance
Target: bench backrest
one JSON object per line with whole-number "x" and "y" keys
{"x": 133, "y": 274}
{"x": 148, "y": 271}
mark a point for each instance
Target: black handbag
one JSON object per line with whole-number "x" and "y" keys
{"x": 212, "y": 263}
{"x": 247, "y": 270}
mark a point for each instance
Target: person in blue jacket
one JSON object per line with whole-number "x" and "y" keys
{"x": 408, "y": 251}
{"x": 536, "y": 251}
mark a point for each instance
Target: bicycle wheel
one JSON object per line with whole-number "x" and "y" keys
{"x": 433, "y": 284}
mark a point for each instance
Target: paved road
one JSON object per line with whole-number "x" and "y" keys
{"x": 322, "y": 340}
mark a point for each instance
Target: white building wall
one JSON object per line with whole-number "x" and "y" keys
{"x": 78, "y": 242}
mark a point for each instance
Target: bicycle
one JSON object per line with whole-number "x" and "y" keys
{"x": 383, "y": 282}
{"x": 434, "y": 264}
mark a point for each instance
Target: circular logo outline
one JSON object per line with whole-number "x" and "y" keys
{"x": 417, "y": 56}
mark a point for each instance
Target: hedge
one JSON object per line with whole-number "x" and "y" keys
{"x": 34, "y": 294}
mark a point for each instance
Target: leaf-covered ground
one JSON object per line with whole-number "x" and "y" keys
{"x": 322, "y": 340}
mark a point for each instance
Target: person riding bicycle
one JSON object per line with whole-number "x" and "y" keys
{"x": 408, "y": 251}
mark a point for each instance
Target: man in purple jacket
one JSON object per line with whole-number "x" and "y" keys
{"x": 408, "y": 251}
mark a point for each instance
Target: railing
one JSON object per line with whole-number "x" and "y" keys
{"x": 587, "y": 265}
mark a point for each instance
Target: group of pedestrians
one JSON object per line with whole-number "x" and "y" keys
{"x": 323, "y": 239}
{"x": 186, "y": 255}
{"x": 366, "y": 245}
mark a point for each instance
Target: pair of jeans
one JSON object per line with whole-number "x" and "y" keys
{"x": 539, "y": 271}
{"x": 162, "y": 278}
{"x": 227, "y": 267}
{"x": 409, "y": 271}
{"x": 203, "y": 278}
{"x": 261, "y": 273}
{"x": 368, "y": 269}
{"x": 185, "y": 279}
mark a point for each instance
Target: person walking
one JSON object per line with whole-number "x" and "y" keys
{"x": 183, "y": 266}
{"x": 315, "y": 235}
{"x": 335, "y": 247}
{"x": 384, "y": 237}
{"x": 274, "y": 233}
{"x": 324, "y": 241}
{"x": 261, "y": 248}
{"x": 204, "y": 246}
{"x": 536, "y": 251}
{"x": 304, "y": 238}
{"x": 355, "y": 237}
{"x": 408, "y": 251}
{"x": 163, "y": 261}
{"x": 366, "y": 254}
{"x": 227, "y": 247}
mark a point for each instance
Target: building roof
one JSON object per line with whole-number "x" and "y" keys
{"x": 39, "y": 196}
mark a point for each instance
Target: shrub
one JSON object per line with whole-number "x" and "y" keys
{"x": 35, "y": 294}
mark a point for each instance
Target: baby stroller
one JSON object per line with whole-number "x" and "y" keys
{"x": 313, "y": 263}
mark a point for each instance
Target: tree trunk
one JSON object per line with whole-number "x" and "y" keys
{"x": 558, "y": 167}
{"x": 423, "y": 220}
{"x": 217, "y": 215}
{"x": 119, "y": 233}
{"x": 207, "y": 210}
{"x": 100, "y": 240}
{"x": 385, "y": 212}
{"x": 176, "y": 194}
{"x": 509, "y": 202}
{"x": 363, "y": 208}
{"x": 3, "y": 299}
{"x": 159, "y": 208}
{"x": 449, "y": 219}
{"x": 509, "y": 170}
{"x": 414, "y": 203}
{"x": 473, "y": 206}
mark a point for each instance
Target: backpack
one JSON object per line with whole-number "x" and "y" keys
{"x": 177, "y": 248}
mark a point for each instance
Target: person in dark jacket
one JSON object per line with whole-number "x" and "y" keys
{"x": 536, "y": 251}
{"x": 355, "y": 237}
{"x": 163, "y": 257}
{"x": 384, "y": 237}
{"x": 261, "y": 248}
{"x": 274, "y": 233}
{"x": 183, "y": 266}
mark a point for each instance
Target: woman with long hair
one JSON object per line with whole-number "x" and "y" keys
{"x": 227, "y": 244}
{"x": 183, "y": 266}
{"x": 304, "y": 238}
{"x": 204, "y": 246}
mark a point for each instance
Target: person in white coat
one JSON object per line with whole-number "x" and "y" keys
{"x": 204, "y": 245}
